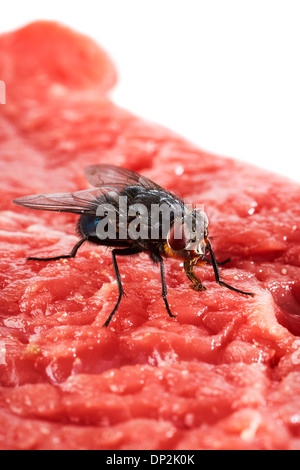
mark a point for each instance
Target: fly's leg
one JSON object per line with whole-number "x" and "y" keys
{"x": 70, "y": 255}
{"x": 164, "y": 287}
{"x": 156, "y": 257}
{"x": 189, "y": 271}
{"x": 217, "y": 273}
{"x": 120, "y": 252}
{"x": 219, "y": 263}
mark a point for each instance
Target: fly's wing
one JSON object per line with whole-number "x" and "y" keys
{"x": 80, "y": 202}
{"x": 114, "y": 177}
{"x": 110, "y": 181}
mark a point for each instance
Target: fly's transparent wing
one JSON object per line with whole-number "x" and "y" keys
{"x": 115, "y": 177}
{"x": 110, "y": 182}
{"x": 80, "y": 202}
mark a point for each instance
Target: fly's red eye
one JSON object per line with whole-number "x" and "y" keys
{"x": 178, "y": 238}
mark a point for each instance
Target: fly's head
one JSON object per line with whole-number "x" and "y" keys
{"x": 187, "y": 238}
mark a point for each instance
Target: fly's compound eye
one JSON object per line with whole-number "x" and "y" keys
{"x": 178, "y": 236}
{"x": 189, "y": 234}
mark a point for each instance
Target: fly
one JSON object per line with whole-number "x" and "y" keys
{"x": 132, "y": 214}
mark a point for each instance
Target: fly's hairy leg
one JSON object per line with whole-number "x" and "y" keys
{"x": 54, "y": 258}
{"x": 217, "y": 273}
{"x": 164, "y": 287}
{"x": 157, "y": 258}
{"x": 119, "y": 252}
{"x": 219, "y": 263}
{"x": 189, "y": 271}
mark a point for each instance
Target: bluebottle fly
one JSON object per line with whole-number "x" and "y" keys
{"x": 119, "y": 213}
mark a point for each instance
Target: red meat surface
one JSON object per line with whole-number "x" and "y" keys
{"x": 225, "y": 373}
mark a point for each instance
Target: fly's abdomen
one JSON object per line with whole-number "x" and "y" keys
{"x": 100, "y": 231}
{"x": 87, "y": 226}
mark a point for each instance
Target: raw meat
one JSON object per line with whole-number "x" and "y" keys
{"x": 225, "y": 373}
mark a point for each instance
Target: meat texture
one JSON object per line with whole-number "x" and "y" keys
{"x": 225, "y": 373}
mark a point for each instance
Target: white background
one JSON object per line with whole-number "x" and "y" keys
{"x": 223, "y": 73}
